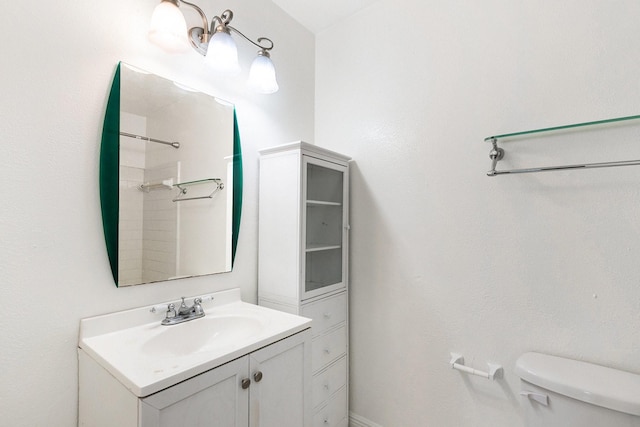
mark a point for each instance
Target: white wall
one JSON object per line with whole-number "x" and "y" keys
{"x": 444, "y": 258}
{"x": 159, "y": 251}
{"x": 58, "y": 63}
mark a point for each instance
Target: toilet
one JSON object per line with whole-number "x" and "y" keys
{"x": 559, "y": 392}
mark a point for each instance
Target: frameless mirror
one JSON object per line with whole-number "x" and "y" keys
{"x": 170, "y": 180}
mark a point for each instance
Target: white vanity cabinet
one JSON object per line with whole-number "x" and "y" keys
{"x": 303, "y": 260}
{"x": 213, "y": 398}
{"x": 266, "y": 388}
{"x": 240, "y": 365}
{"x": 262, "y": 389}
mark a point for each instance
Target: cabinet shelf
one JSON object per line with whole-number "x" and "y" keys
{"x": 317, "y": 248}
{"x": 322, "y": 203}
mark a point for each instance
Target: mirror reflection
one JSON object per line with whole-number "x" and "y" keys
{"x": 175, "y": 189}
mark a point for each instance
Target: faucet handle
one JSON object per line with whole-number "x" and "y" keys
{"x": 197, "y": 308}
{"x": 171, "y": 311}
{"x": 160, "y": 308}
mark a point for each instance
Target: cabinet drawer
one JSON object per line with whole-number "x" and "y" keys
{"x": 326, "y": 313}
{"x": 327, "y": 348}
{"x": 329, "y": 381}
{"x": 335, "y": 413}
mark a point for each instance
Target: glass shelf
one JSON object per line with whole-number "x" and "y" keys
{"x": 184, "y": 185}
{"x": 323, "y": 268}
{"x": 497, "y": 153}
{"x": 564, "y": 127}
{"x": 199, "y": 181}
{"x": 317, "y": 248}
{"x": 322, "y": 203}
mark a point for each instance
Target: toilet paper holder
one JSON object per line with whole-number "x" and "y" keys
{"x": 457, "y": 363}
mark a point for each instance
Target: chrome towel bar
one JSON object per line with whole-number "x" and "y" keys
{"x": 497, "y": 154}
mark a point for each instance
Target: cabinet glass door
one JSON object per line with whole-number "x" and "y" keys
{"x": 324, "y": 224}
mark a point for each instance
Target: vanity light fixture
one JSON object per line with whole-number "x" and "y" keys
{"x": 169, "y": 31}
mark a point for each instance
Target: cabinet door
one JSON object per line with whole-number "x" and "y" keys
{"x": 212, "y": 399}
{"x": 281, "y": 384}
{"x": 324, "y": 227}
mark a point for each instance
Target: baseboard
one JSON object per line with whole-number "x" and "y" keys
{"x": 356, "y": 420}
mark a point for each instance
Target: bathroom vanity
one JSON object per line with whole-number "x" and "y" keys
{"x": 303, "y": 260}
{"x": 240, "y": 365}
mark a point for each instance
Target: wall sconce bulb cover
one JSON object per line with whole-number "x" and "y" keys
{"x": 222, "y": 54}
{"x": 168, "y": 28}
{"x": 262, "y": 75}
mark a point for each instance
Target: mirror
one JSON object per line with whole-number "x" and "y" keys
{"x": 170, "y": 180}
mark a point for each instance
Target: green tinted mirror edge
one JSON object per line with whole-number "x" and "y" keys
{"x": 109, "y": 173}
{"x": 237, "y": 188}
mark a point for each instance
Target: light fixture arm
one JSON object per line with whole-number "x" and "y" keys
{"x": 200, "y": 36}
{"x": 223, "y": 20}
{"x": 223, "y": 25}
{"x": 260, "y": 39}
{"x": 205, "y": 22}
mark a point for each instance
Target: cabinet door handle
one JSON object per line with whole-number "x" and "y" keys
{"x": 245, "y": 383}
{"x": 257, "y": 376}
{"x": 327, "y": 351}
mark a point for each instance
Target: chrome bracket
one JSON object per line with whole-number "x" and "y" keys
{"x": 496, "y": 154}
{"x": 199, "y": 39}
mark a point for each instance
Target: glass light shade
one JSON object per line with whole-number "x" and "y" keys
{"x": 222, "y": 54}
{"x": 168, "y": 28}
{"x": 262, "y": 75}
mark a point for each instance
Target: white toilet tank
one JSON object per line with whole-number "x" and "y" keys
{"x": 560, "y": 392}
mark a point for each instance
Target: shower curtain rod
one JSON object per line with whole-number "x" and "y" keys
{"x": 146, "y": 138}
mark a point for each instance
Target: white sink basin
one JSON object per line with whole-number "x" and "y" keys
{"x": 147, "y": 357}
{"x": 203, "y": 334}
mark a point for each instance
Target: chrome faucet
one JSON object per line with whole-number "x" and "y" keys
{"x": 184, "y": 312}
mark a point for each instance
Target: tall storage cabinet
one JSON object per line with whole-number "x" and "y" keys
{"x": 303, "y": 260}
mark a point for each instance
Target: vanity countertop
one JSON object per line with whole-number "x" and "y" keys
{"x": 147, "y": 357}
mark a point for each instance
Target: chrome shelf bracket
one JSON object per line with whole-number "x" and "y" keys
{"x": 496, "y": 154}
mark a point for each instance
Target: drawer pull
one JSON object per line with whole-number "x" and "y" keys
{"x": 327, "y": 351}
{"x": 328, "y": 315}
{"x": 326, "y": 386}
